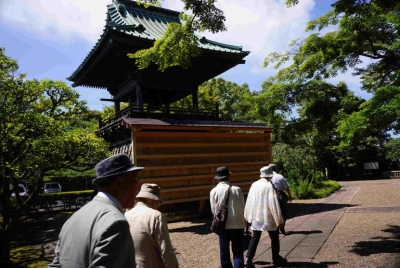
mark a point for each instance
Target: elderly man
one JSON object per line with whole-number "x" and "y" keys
{"x": 97, "y": 235}
{"x": 281, "y": 185}
{"x": 235, "y": 224}
{"x": 149, "y": 230}
{"x": 263, "y": 213}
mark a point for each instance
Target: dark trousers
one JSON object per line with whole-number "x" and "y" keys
{"x": 235, "y": 236}
{"x": 282, "y": 205}
{"x": 275, "y": 246}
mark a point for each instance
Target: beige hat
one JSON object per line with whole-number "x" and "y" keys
{"x": 266, "y": 172}
{"x": 151, "y": 191}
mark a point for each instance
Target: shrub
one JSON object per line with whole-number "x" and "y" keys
{"x": 304, "y": 189}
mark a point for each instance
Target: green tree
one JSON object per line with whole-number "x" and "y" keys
{"x": 43, "y": 126}
{"x": 235, "y": 102}
{"x": 180, "y": 43}
{"x": 109, "y": 111}
{"x": 320, "y": 106}
{"x": 391, "y": 152}
{"x": 364, "y": 30}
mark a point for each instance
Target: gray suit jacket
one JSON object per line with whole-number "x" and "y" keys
{"x": 97, "y": 235}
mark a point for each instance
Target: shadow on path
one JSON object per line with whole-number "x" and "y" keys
{"x": 303, "y": 232}
{"x": 263, "y": 264}
{"x": 198, "y": 226}
{"x": 378, "y": 245}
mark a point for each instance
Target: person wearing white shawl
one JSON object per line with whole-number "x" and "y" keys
{"x": 263, "y": 213}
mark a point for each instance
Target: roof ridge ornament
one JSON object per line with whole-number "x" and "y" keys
{"x": 125, "y": 15}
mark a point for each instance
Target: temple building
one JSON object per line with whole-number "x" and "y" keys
{"x": 179, "y": 148}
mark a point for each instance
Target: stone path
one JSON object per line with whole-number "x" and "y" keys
{"x": 309, "y": 231}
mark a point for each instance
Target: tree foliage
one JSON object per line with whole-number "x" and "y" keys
{"x": 365, "y": 40}
{"x": 180, "y": 43}
{"x": 236, "y": 103}
{"x": 391, "y": 151}
{"x": 43, "y": 126}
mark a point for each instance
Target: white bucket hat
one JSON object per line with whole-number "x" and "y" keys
{"x": 266, "y": 172}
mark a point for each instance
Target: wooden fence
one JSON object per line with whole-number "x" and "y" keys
{"x": 182, "y": 159}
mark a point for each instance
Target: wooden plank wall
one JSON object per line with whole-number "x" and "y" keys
{"x": 184, "y": 163}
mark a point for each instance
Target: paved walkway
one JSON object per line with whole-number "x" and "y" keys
{"x": 309, "y": 230}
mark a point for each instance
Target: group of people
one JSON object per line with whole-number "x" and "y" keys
{"x": 100, "y": 234}
{"x": 262, "y": 211}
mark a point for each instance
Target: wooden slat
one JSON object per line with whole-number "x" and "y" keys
{"x": 189, "y": 199}
{"x": 197, "y": 134}
{"x": 200, "y": 144}
{"x": 199, "y": 155}
{"x": 210, "y": 186}
{"x": 214, "y": 165}
{"x": 194, "y": 177}
{"x": 190, "y": 188}
{"x": 199, "y": 128}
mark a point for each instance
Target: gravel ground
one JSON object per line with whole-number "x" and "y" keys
{"x": 366, "y": 239}
{"x": 197, "y": 247}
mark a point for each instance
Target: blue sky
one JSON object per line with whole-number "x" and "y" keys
{"x": 50, "y": 39}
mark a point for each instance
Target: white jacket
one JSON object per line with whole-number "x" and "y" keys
{"x": 262, "y": 208}
{"x": 235, "y": 205}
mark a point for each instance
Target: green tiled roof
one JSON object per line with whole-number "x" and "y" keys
{"x": 131, "y": 19}
{"x": 151, "y": 23}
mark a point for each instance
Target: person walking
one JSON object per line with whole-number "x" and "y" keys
{"x": 97, "y": 235}
{"x": 149, "y": 230}
{"x": 281, "y": 185}
{"x": 235, "y": 224}
{"x": 263, "y": 213}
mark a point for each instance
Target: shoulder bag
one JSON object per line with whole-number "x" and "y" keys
{"x": 282, "y": 196}
{"x": 219, "y": 220}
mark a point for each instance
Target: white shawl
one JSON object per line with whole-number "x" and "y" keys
{"x": 262, "y": 208}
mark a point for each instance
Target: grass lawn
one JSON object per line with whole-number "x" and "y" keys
{"x": 33, "y": 245}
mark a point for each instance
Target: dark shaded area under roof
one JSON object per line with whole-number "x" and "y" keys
{"x": 157, "y": 123}
{"x": 129, "y": 28}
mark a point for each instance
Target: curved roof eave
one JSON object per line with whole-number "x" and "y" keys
{"x": 132, "y": 26}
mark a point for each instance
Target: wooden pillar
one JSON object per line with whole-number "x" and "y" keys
{"x": 201, "y": 205}
{"x": 117, "y": 106}
{"x": 133, "y": 147}
{"x": 217, "y": 110}
{"x": 167, "y": 108}
{"x": 100, "y": 121}
{"x": 130, "y": 107}
{"x": 269, "y": 147}
{"x": 195, "y": 101}
{"x": 139, "y": 99}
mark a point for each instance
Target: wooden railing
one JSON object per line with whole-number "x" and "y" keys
{"x": 395, "y": 174}
{"x": 160, "y": 112}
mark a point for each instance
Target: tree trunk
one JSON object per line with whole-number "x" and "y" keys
{"x": 4, "y": 248}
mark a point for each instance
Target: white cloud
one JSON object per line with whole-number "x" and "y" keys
{"x": 57, "y": 20}
{"x": 259, "y": 26}
{"x": 262, "y": 27}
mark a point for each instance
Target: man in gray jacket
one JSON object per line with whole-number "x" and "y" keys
{"x": 97, "y": 235}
